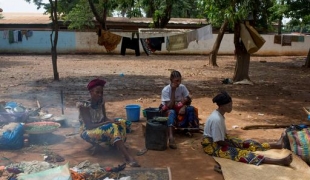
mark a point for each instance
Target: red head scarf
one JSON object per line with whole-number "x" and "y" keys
{"x": 95, "y": 82}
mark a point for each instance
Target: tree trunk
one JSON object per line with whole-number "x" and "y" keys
{"x": 217, "y": 43}
{"x": 280, "y": 21}
{"x": 101, "y": 20}
{"x": 54, "y": 39}
{"x": 307, "y": 64}
{"x": 242, "y": 57}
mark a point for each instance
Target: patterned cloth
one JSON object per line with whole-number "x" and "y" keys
{"x": 150, "y": 45}
{"x": 299, "y": 141}
{"x": 108, "y": 40}
{"x": 177, "y": 42}
{"x": 189, "y": 120}
{"x": 110, "y": 132}
{"x": 244, "y": 154}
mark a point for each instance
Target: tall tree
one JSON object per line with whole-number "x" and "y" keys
{"x": 159, "y": 10}
{"x": 229, "y": 14}
{"x": 51, "y": 8}
{"x": 299, "y": 10}
{"x": 299, "y": 13}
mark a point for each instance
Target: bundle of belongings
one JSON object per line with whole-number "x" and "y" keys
{"x": 11, "y": 128}
{"x": 297, "y": 140}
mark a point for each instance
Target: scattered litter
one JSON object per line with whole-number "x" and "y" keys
{"x": 260, "y": 114}
{"x": 244, "y": 82}
{"x": 141, "y": 152}
{"x": 227, "y": 81}
{"x": 235, "y": 126}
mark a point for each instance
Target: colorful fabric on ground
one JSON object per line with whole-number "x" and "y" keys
{"x": 110, "y": 132}
{"x": 244, "y": 155}
{"x": 108, "y": 40}
{"x": 300, "y": 143}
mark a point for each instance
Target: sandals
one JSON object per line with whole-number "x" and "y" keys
{"x": 133, "y": 164}
{"x": 218, "y": 169}
{"x": 141, "y": 152}
{"x": 172, "y": 144}
{"x": 189, "y": 134}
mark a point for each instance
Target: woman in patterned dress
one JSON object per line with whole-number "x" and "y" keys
{"x": 96, "y": 127}
{"x": 216, "y": 142}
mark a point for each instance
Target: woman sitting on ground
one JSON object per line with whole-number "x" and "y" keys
{"x": 217, "y": 143}
{"x": 96, "y": 127}
{"x": 171, "y": 96}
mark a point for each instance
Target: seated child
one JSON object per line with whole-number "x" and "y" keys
{"x": 180, "y": 107}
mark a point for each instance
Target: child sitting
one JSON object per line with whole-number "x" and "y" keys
{"x": 180, "y": 107}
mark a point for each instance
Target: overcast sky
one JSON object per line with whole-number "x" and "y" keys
{"x": 20, "y": 6}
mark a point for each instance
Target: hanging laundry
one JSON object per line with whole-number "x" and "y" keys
{"x": 204, "y": 33}
{"x": 24, "y": 33}
{"x": 131, "y": 44}
{"x": 150, "y": 45}
{"x": 177, "y": 42}
{"x": 108, "y": 40}
{"x": 192, "y": 36}
{"x": 286, "y": 40}
{"x": 301, "y": 38}
{"x": 297, "y": 38}
{"x": 20, "y": 38}
{"x": 277, "y": 39}
{"x": 29, "y": 33}
{"x": 15, "y": 36}
{"x": 11, "y": 37}
{"x": 5, "y": 34}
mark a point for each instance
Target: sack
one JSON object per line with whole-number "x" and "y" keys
{"x": 297, "y": 139}
{"x": 247, "y": 40}
{"x": 13, "y": 136}
{"x": 257, "y": 38}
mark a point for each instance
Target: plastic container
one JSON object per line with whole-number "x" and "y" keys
{"x": 152, "y": 112}
{"x": 156, "y": 135}
{"x": 133, "y": 112}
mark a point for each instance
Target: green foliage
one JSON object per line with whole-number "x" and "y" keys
{"x": 80, "y": 16}
{"x": 185, "y": 9}
{"x": 216, "y": 11}
{"x": 130, "y": 8}
{"x": 297, "y": 10}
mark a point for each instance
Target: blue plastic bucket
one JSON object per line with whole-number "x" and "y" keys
{"x": 133, "y": 112}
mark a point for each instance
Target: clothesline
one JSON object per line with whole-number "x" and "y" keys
{"x": 153, "y": 41}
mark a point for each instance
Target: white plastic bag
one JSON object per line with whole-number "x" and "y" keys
{"x": 58, "y": 173}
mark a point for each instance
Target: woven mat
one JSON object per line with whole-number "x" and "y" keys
{"x": 148, "y": 173}
{"x": 298, "y": 170}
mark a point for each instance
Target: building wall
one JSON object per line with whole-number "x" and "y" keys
{"x": 86, "y": 42}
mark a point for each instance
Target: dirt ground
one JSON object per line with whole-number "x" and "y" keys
{"x": 280, "y": 91}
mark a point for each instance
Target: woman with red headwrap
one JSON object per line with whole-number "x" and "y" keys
{"x": 96, "y": 127}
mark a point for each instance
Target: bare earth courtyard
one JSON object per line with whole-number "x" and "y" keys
{"x": 280, "y": 91}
